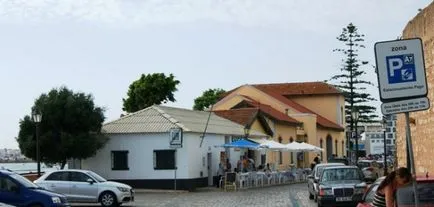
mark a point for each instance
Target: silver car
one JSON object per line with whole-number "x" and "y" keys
{"x": 83, "y": 186}
{"x": 316, "y": 173}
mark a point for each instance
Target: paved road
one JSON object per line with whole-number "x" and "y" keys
{"x": 287, "y": 195}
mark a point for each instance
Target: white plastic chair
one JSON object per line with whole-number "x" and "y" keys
{"x": 242, "y": 181}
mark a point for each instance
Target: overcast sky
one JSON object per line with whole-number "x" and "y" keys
{"x": 101, "y": 46}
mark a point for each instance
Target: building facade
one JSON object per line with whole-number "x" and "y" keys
{"x": 421, "y": 123}
{"x": 315, "y": 109}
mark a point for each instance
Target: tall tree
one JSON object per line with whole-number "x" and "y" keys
{"x": 208, "y": 97}
{"x": 70, "y": 127}
{"x": 150, "y": 89}
{"x": 351, "y": 80}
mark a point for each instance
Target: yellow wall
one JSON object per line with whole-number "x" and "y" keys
{"x": 339, "y": 136}
{"x": 329, "y": 106}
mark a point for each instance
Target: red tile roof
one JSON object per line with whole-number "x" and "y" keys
{"x": 273, "y": 113}
{"x": 306, "y": 88}
{"x": 241, "y": 116}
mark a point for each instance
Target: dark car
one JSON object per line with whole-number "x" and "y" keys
{"x": 341, "y": 186}
{"x": 312, "y": 186}
{"x": 17, "y": 190}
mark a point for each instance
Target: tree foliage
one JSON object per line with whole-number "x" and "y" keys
{"x": 150, "y": 89}
{"x": 351, "y": 80}
{"x": 209, "y": 97}
{"x": 70, "y": 127}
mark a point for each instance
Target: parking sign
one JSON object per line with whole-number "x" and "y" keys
{"x": 400, "y": 69}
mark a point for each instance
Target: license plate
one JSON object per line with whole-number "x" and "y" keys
{"x": 343, "y": 199}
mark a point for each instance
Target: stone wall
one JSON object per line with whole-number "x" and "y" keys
{"x": 422, "y": 123}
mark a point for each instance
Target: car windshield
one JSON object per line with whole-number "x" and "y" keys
{"x": 338, "y": 174}
{"x": 405, "y": 195}
{"x": 23, "y": 181}
{"x": 320, "y": 169}
{"x": 96, "y": 177}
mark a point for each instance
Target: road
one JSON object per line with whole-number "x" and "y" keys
{"x": 294, "y": 195}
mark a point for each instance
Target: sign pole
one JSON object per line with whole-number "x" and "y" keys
{"x": 411, "y": 155}
{"x": 176, "y": 167}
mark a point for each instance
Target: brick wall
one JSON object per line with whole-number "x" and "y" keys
{"x": 422, "y": 129}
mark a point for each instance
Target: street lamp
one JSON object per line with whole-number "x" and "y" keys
{"x": 355, "y": 115}
{"x": 384, "y": 122}
{"x": 246, "y": 132}
{"x": 37, "y": 120}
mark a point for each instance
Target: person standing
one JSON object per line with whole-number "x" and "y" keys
{"x": 228, "y": 166}
{"x": 220, "y": 173}
{"x": 385, "y": 195}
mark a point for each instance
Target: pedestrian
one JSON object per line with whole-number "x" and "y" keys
{"x": 220, "y": 173}
{"x": 385, "y": 195}
{"x": 228, "y": 166}
{"x": 317, "y": 159}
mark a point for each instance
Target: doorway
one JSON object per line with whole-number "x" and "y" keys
{"x": 329, "y": 143}
{"x": 210, "y": 176}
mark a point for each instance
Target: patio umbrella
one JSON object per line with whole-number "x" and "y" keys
{"x": 242, "y": 144}
{"x": 272, "y": 145}
{"x": 310, "y": 147}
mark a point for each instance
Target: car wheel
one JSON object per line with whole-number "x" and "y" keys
{"x": 108, "y": 199}
{"x": 310, "y": 196}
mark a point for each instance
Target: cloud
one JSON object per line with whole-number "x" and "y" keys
{"x": 312, "y": 15}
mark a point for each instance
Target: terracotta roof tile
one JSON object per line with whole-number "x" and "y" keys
{"x": 306, "y": 88}
{"x": 273, "y": 113}
{"x": 241, "y": 116}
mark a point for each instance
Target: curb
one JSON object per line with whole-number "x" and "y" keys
{"x": 158, "y": 191}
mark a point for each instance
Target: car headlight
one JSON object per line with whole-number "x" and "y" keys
{"x": 56, "y": 200}
{"x": 122, "y": 189}
{"x": 359, "y": 191}
{"x": 325, "y": 192}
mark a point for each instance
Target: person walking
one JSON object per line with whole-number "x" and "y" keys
{"x": 385, "y": 195}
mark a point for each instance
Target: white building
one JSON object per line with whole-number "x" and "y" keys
{"x": 139, "y": 152}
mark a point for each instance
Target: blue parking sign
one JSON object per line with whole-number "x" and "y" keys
{"x": 401, "y": 68}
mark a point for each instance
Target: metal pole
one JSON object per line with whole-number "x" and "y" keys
{"x": 357, "y": 145}
{"x": 176, "y": 167}
{"x": 411, "y": 156}
{"x": 38, "y": 156}
{"x": 385, "y": 160}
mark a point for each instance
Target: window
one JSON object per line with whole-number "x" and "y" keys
{"x": 372, "y": 141}
{"x": 394, "y": 129}
{"x": 388, "y": 141}
{"x": 120, "y": 160}
{"x": 389, "y": 123}
{"x": 6, "y": 184}
{"x": 58, "y": 176}
{"x": 388, "y": 129}
{"x": 342, "y": 115}
{"x": 292, "y": 153}
{"x": 164, "y": 160}
{"x": 280, "y": 153}
{"x": 343, "y": 148}
{"x": 79, "y": 177}
{"x": 390, "y": 136}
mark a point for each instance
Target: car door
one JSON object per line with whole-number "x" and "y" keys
{"x": 57, "y": 182}
{"x": 81, "y": 189}
{"x": 10, "y": 192}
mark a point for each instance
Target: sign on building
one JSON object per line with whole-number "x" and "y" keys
{"x": 401, "y": 76}
{"x": 175, "y": 137}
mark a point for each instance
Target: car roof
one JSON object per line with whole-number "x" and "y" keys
{"x": 7, "y": 172}
{"x": 330, "y": 164}
{"x": 69, "y": 170}
{"x": 340, "y": 167}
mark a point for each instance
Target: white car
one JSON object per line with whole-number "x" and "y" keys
{"x": 83, "y": 186}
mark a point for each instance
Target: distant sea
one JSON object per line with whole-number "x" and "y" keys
{"x": 29, "y": 167}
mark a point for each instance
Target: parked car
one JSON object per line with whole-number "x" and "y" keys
{"x": 368, "y": 198}
{"x": 317, "y": 170}
{"x": 83, "y": 186}
{"x": 16, "y": 190}
{"x": 371, "y": 169}
{"x": 405, "y": 195}
{"x": 341, "y": 186}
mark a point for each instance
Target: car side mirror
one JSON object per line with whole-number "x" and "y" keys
{"x": 90, "y": 181}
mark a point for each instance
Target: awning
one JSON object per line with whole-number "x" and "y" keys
{"x": 243, "y": 143}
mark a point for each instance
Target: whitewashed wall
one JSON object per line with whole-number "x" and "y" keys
{"x": 140, "y": 157}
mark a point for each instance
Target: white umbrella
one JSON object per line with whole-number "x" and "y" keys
{"x": 302, "y": 147}
{"x": 272, "y": 145}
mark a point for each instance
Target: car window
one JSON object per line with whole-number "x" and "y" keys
{"x": 23, "y": 181}
{"x": 405, "y": 195}
{"x": 340, "y": 174}
{"x": 320, "y": 169}
{"x": 364, "y": 164}
{"x": 371, "y": 193}
{"x": 79, "y": 177}
{"x": 58, "y": 176}
{"x": 7, "y": 185}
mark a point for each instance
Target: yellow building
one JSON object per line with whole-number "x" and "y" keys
{"x": 311, "y": 112}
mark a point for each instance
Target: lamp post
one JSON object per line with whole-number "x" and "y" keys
{"x": 246, "y": 132}
{"x": 355, "y": 115}
{"x": 37, "y": 120}
{"x": 384, "y": 122}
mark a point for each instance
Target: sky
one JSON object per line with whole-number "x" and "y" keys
{"x": 101, "y": 46}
